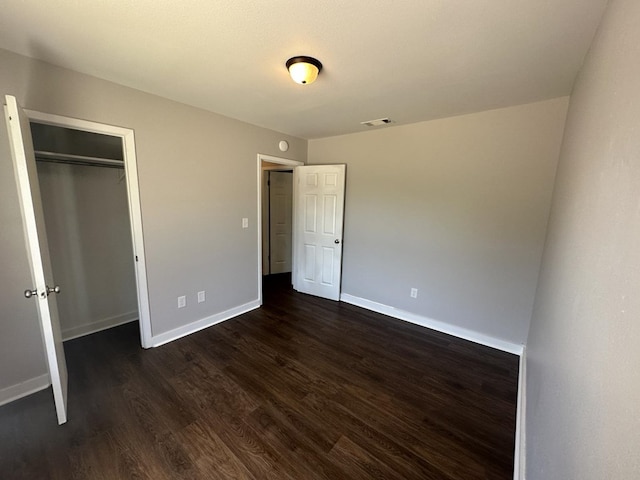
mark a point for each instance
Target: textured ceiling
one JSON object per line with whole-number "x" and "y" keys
{"x": 410, "y": 60}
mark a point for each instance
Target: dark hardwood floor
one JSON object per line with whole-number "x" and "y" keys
{"x": 302, "y": 388}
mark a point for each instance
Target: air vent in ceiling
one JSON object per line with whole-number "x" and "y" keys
{"x": 377, "y": 122}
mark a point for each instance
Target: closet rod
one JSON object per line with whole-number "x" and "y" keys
{"x": 78, "y": 159}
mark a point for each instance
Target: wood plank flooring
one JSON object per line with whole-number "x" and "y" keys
{"x": 302, "y": 388}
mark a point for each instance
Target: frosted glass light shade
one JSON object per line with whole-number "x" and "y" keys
{"x": 303, "y": 70}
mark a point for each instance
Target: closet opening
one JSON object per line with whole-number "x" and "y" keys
{"x": 83, "y": 185}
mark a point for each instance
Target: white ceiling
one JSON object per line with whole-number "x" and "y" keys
{"x": 410, "y": 60}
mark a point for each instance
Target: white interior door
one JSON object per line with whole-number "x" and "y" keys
{"x": 280, "y": 220}
{"x": 318, "y": 222}
{"x": 37, "y": 250}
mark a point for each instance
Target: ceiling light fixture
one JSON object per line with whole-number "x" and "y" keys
{"x": 303, "y": 70}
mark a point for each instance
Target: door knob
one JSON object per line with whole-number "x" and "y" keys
{"x": 30, "y": 293}
{"x": 336, "y": 241}
{"x": 55, "y": 289}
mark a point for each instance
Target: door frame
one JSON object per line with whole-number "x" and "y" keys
{"x": 285, "y": 163}
{"x": 133, "y": 198}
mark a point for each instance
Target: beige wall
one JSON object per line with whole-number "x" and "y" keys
{"x": 583, "y": 390}
{"x": 197, "y": 178}
{"x": 454, "y": 207}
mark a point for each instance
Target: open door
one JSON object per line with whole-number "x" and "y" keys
{"x": 318, "y": 222}
{"x": 24, "y": 164}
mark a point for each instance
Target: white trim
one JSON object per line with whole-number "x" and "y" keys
{"x": 133, "y": 195}
{"x": 443, "y": 327}
{"x": 15, "y": 392}
{"x": 519, "y": 456}
{"x": 203, "y": 323}
{"x": 278, "y": 160}
{"x": 281, "y": 161}
{"x": 99, "y": 325}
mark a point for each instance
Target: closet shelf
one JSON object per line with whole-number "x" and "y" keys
{"x": 78, "y": 159}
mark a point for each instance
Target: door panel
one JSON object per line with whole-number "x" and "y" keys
{"x": 280, "y": 202}
{"x": 309, "y": 273}
{"x": 329, "y": 216}
{"x": 318, "y": 223}
{"x": 328, "y": 256}
{"x": 37, "y": 250}
{"x": 310, "y": 213}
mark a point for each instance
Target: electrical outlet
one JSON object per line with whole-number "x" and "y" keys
{"x": 201, "y": 297}
{"x": 245, "y": 223}
{"x": 182, "y": 301}
{"x": 414, "y": 293}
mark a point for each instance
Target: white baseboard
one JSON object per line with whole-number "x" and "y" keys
{"x": 203, "y": 323}
{"x": 519, "y": 456}
{"x": 443, "y": 327}
{"x": 33, "y": 385}
{"x": 93, "y": 327}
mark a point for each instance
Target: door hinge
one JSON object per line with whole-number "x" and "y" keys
{"x": 136, "y": 258}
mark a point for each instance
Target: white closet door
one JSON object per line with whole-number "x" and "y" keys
{"x": 318, "y": 223}
{"x": 37, "y": 250}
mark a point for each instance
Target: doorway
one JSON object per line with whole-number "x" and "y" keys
{"x": 269, "y": 230}
{"x": 102, "y": 163}
{"x": 317, "y": 225}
